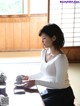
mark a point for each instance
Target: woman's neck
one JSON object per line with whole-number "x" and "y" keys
{"x": 52, "y": 51}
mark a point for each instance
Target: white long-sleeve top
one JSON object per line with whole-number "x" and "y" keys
{"x": 54, "y": 73}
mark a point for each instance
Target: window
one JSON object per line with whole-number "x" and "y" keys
{"x": 67, "y": 16}
{"x": 16, "y": 7}
{"x": 39, "y": 7}
{"x": 12, "y": 7}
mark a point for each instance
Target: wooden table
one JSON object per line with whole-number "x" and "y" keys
{"x": 30, "y": 98}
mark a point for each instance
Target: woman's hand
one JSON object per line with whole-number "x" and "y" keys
{"x": 29, "y": 83}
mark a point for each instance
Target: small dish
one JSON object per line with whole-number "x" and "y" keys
{"x": 22, "y": 84}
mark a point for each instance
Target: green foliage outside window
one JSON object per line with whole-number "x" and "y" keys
{"x": 10, "y": 7}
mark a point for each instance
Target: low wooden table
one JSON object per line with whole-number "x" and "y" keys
{"x": 30, "y": 98}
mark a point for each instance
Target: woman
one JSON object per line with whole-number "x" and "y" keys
{"x": 54, "y": 69}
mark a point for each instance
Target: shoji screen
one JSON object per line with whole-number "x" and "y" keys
{"x": 67, "y": 15}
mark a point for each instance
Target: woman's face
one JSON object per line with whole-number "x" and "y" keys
{"x": 47, "y": 41}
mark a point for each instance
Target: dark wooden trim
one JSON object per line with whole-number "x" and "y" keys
{"x": 48, "y": 10}
{"x": 73, "y": 54}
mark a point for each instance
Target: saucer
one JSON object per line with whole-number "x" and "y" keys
{"x": 22, "y": 84}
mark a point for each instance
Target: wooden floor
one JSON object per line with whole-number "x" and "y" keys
{"x": 14, "y": 63}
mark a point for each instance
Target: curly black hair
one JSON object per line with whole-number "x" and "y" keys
{"x": 54, "y": 30}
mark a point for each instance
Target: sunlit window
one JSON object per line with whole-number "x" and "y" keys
{"x": 11, "y": 7}
{"x": 39, "y": 7}
{"x": 67, "y": 16}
